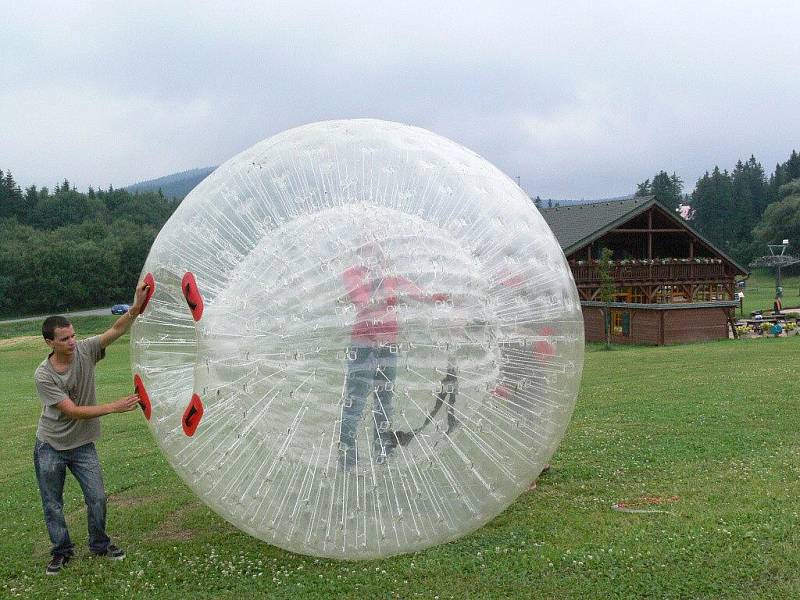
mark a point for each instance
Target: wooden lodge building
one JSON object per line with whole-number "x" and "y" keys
{"x": 672, "y": 285}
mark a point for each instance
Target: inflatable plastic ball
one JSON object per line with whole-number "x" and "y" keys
{"x": 362, "y": 340}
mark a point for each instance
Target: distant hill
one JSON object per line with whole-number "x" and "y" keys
{"x": 177, "y": 185}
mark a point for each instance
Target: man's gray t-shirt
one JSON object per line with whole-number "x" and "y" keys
{"x": 56, "y": 428}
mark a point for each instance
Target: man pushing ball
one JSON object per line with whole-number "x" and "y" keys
{"x": 70, "y": 425}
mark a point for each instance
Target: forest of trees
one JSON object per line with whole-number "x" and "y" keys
{"x": 739, "y": 211}
{"x": 62, "y": 249}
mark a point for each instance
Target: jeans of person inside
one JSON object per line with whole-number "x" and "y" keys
{"x": 371, "y": 370}
{"x": 51, "y": 468}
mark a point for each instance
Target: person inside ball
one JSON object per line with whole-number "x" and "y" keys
{"x": 372, "y": 356}
{"x": 69, "y": 426}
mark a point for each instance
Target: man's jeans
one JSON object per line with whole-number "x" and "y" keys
{"x": 370, "y": 371}
{"x": 51, "y": 468}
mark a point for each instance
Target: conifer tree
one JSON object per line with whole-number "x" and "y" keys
{"x": 712, "y": 202}
{"x": 607, "y": 290}
{"x": 793, "y": 165}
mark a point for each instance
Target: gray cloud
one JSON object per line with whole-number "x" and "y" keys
{"x": 579, "y": 101}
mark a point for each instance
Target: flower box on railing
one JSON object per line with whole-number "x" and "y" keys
{"x": 633, "y": 270}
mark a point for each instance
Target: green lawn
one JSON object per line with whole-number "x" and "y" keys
{"x": 760, "y": 291}
{"x": 708, "y": 431}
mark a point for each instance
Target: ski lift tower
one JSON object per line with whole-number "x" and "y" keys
{"x": 777, "y": 259}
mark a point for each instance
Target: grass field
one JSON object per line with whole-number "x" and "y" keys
{"x": 760, "y": 291}
{"x": 705, "y": 434}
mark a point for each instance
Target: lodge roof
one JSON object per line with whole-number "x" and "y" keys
{"x": 578, "y": 225}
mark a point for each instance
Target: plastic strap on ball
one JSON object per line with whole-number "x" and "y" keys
{"x": 144, "y": 398}
{"x": 192, "y": 415}
{"x": 151, "y": 287}
{"x": 192, "y": 295}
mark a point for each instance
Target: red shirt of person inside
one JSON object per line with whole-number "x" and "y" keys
{"x": 375, "y": 299}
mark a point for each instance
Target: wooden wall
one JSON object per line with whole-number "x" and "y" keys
{"x": 679, "y": 326}
{"x": 593, "y": 324}
{"x": 694, "y": 325}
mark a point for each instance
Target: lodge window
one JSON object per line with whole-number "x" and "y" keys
{"x": 703, "y": 293}
{"x": 621, "y": 322}
{"x": 671, "y": 294}
{"x": 630, "y": 294}
{"x": 708, "y": 292}
{"x": 664, "y": 294}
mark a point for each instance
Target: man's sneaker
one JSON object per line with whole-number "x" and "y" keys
{"x": 112, "y": 552}
{"x": 56, "y": 564}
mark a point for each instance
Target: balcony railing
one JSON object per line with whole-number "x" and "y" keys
{"x": 658, "y": 270}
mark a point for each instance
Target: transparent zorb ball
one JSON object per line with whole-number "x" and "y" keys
{"x": 363, "y": 340}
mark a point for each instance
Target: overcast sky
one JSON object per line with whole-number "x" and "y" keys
{"x": 580, "y": 99}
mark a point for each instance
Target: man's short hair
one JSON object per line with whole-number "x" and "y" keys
{"x": 51, "y": 324}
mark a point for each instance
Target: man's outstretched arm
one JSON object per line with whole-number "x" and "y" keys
{"x": 69, "y": 408}
{"x": 123, "y": 324}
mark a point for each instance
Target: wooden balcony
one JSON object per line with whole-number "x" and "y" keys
{"x": 671, "y": 272}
